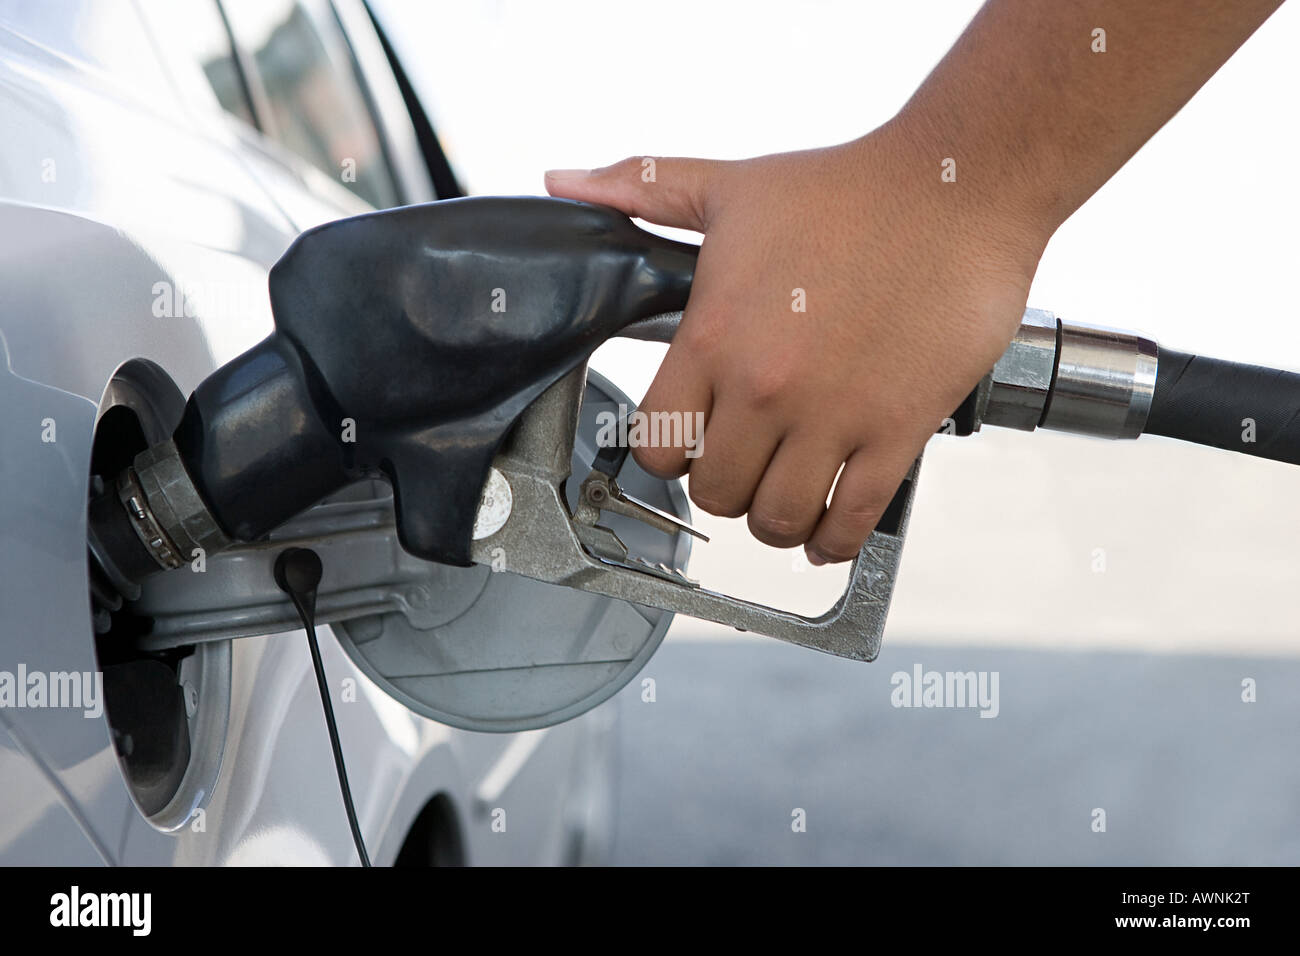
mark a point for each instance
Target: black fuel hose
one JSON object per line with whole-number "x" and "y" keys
{"x": 1242, "y": 408}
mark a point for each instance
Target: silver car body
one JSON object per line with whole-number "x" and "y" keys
{"x": 119, "y": 170}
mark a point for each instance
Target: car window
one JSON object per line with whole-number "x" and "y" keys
{"x": 314, "y": 102}
{"x": 199, "y": 26}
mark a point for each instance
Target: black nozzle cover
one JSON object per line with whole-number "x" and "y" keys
{"x": 407, "y": 344}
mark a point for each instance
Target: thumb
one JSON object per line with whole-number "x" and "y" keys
{"x": 670, "y": 192}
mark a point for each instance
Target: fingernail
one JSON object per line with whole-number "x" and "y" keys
{"x": 562, "y": 174}
{"x": 815, "y": 559}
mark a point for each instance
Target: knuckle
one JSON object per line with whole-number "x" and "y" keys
{"x": 856, "y": 510}
{"x": 845, "y": 531}
{"x": 836, "y": 554}
{"x": 702, "y": 332}
{"x": 778, "y": 530}
{"x": 717, "y": 501}
{"x": 697, "y": 190}
{"x": 765, "y": 385}
{"x": 856, "y": 520}
{"x": 660, "y": 461}
{"x": 622, "y": 167}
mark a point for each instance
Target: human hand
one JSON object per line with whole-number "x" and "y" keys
{"x": 845, "y": 302}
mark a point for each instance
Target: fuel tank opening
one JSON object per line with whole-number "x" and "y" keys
{"x": 166, "y": 709}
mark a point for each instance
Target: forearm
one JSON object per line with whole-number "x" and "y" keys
{"x": 1035, "y": 119}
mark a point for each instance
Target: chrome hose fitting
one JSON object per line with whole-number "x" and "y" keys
{"x": 1071, "y": 377}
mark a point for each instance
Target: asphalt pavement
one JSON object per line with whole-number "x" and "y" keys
{"x": 743, "y": 734}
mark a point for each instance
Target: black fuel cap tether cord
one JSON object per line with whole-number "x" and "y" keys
{"x": 298, "y": 573}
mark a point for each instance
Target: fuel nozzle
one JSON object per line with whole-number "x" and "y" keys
{"x": 407, "y": 343}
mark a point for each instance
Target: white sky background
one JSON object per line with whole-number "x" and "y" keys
{"x": 1195, "y": 243}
